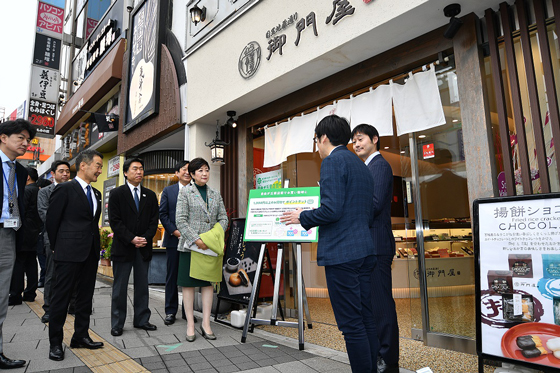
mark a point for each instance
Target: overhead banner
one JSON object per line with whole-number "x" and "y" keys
{"x": 50, "y": 20}
{"x": 44, "y": 84}
{"x": 265, "y": 208}
{"x": 518, "y": 279}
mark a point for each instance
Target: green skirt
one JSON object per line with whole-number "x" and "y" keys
{"x": 183, "y": 277}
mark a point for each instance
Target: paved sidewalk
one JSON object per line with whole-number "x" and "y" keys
{"x": 163, "y": 350}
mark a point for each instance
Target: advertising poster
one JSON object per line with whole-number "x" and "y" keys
{"x": 517, "y": 241}
{"x": 50, "y": 20}
{"x": 108, "y": 186}
{"x": 143, "y": 86}
{"x": 44, "y": 84}
{"x": 42, "y": 116}
{"x": 265, "y": 208}
{"x": 269, "y": 180}
{"x": 47, "y": 51}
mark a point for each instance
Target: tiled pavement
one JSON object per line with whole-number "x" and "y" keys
{"x": 163, "y": 350}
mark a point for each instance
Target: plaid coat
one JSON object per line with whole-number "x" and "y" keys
{"x": 193, "y": 218}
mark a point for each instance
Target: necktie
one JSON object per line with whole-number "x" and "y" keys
{"x": 90, "y": 199}
{"x": 12, "y": 197}
{"x": 136, "y": 199}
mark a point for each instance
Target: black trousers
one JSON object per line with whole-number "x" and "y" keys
{"x": 25, "y": 265}
{"x": 66, "y": 276}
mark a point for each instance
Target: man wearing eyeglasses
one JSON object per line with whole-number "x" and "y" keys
{"x": 345, "y": 246}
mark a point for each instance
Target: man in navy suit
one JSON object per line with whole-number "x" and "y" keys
{"x": 14, "y": 139}
{"x": 345, "y": 245}
{"x": 365, "y": 139}
{"x": 167, "y": 209}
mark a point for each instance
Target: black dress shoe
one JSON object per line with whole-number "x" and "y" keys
{"x": 14, "y": 302}
{"x": 115, "y": 332}
{"x": 169, "y": 319}
{"x": 85, "y": 342}
{"x": 45, "y": 318}
{"x": 147, "y": 326}
{"x": 6, "y": 363}
{"x": 56, "y": 353}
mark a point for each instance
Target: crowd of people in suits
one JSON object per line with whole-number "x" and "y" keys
{"x": 356, "y": 243}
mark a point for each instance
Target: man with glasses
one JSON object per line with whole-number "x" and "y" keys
{"x": 60, "y": 171}
{"x": 14, "y": 139}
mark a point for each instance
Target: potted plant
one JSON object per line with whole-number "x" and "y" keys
{"x": 106, "y": 238}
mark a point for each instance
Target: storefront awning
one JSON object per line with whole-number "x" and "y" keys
{"x": 105, "y": 76}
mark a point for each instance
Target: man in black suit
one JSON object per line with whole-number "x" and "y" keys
{"x": 14, "y": 139}
{"x": 133, "y": 216}
{"x": 167, "y": 209}
{"x": 26, "y": 256}
{"x": 365, "y": 139}
{"x": 72, "y": 219}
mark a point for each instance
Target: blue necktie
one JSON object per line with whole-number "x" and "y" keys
{"x": 136, "y": 199}
{"x": 90, "y": 200}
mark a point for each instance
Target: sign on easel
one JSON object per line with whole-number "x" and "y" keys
{"x": 265, "y": 208}
{"x": 517, "y": 241}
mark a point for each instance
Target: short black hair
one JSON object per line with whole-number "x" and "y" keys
{"x": 42, "y": 182}
{"x": 55, "y": 165}
{"x": 337, "y": 130}
{"x": 370, "y": 131}
{"x": 180, "y": 165}
{"x": 87, "y": 157}
{"x": 16, "y": 127}
{"x": 32, "y": 173}
{"x": 128, "y": 162}
{"x": 196, "y": 164}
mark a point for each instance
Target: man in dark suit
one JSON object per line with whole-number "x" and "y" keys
{"x": 167, "y": 209}
{"x": 26, "y": 256}
{"x": 345, "y": 245}
{"x": 133, "y": 216}
{"x": 72, "y": 219}
{"x": 14, "y": 139}
{"x": 365, "y": 139}
{"x": 60, "y": 171}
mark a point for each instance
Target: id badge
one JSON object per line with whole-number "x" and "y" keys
{"x": 11, "y": 223}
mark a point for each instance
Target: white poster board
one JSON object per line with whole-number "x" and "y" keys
{"x": 517, "y": 244}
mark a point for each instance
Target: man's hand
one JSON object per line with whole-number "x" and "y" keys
{"x": 176, "y": 233}
{"x": 291, "y": 217}
{"x": 201, "y": 244}
{"x": 139, "y": 241}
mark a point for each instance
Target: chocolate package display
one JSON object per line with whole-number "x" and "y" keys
{"x": 518, "y": 307}
{"x": 551, "y": 265}
{"x": 500, "y": 281}
{"x": 521, "y": 265}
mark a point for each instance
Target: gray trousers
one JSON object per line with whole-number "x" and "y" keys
{"x": 121, "y": 274}
{"x": 48, "y": 278}
{"x": 7, "y": 260}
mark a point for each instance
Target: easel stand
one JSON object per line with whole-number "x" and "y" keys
{"x": 301, "y": 296}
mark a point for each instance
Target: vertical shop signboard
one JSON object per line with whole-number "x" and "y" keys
{"x": 148, "y": 26}
{"x": 517, "y": 242}
{"x": 45, "y": 76}
{"x": 108, "y": 185}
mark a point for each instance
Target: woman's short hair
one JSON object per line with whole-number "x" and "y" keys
{"x": 196, "y": 164}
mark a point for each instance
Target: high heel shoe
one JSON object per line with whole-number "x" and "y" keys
{"x": 191, "y": 338}
{"x": 210, "y": 336}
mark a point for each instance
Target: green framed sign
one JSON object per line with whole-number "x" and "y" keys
{"x": 265, "y": 207}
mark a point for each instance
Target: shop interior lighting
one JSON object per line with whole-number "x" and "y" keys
{"x": 231, "y": 121}
{"x": 455, "y": 120}
{"x": 422, "y": 136}
{"x": 197, "y": 14}
{"x": 455, "y": 24}
{"x": 386, "y": 147}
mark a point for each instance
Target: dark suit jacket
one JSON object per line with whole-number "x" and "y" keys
{"x": 33, "y": 224}
{"x": 126, "y": 222}
{"x": 72, "y": 229}
{"x": 381, "y": 232}
{"x": 21, "y": 176}
{"x": 344, "y": 216}
{"x": 167, "y": 210}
